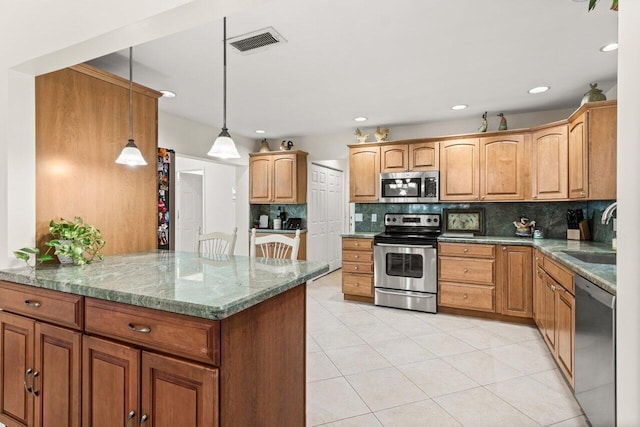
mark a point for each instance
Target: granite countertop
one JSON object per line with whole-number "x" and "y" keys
{"x": 603, "y": 275}
{"x": 281, "y": 231}
{"x": 210, "y": 287}
{"x": 359, "y": 234}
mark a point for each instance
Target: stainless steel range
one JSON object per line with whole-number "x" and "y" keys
{"x": 406, "y": 262}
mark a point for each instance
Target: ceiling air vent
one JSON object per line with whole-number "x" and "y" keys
{"x": 256, "y": 39}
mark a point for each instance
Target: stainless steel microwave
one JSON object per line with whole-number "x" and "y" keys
{"x": 409, "y": 187}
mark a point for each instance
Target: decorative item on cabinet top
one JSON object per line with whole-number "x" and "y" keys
{"x": 503, "y": 122}
{"x": 484, "y": 124}
{"x": 286, "y": 145}
{"x": 264, "y": 146}
{"x": 360, "y": 137}
{"x": 381, "y": 134}
{"x": 593, "y": 94}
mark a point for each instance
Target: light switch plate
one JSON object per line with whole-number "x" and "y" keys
{"x": 374, "y": 217}
{"x": 358, "y": 217}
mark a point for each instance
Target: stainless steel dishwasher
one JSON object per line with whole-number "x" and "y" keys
{"x": 595, "y": 375}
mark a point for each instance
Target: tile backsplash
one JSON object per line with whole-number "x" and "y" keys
{"x": 550, "y": 217}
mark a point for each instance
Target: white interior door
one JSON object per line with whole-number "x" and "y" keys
{"x": 189, "y": 186}
{"x": 325, "y": 221}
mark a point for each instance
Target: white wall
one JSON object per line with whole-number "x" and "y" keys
{"x": 628, "y": 298}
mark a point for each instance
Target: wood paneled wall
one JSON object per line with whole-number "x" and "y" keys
{"x": 82, "y": 124}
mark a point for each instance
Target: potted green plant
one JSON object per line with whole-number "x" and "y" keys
{"x": 73, "y": 242}
{"x": 614, "y": 4}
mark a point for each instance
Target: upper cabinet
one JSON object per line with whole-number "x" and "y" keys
{"x": 502, "y": 167}
{"x": 394, "y": 158}
{"x": 424, "y": 156}
{"x": 460, "y": 170}
{"x": 277, "y": 177}
{"x": 549, "y": 163}
{"x": 364, "y": 173}
{"x": 592, "y": 151}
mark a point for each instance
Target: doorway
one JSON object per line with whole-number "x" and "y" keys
{"x": 325, "y": 216}
{"x": 189, "y": 191}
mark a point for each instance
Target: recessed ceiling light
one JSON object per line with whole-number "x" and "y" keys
{"x": 539, "y": 89}
{"x": 360, "y": 119}
{"x": 168, "y": 94}
{"x": 609, "y": 47}
{"x": 459, "y": 107}
{"x": 260, "y": 131}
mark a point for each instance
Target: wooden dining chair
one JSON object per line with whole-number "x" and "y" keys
{"x": 274, "y": 245}
{"x": 217, "y": 243}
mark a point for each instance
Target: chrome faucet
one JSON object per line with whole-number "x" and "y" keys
{"x": 608, "y": 213}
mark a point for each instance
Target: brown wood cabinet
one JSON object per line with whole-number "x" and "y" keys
{"x": 555, "y": 312}
{"x": 467, "y": 282}
{"x": 516, "y": 280}
{"x": 460, "y": 170}
{"x": 550, "y": 163}
{"x": 502, "y": 167}
{"x": 424, "y": 156}
{"x": 277, "y": 177}
{"x": 394, "y": 158}
{"x": 364, "y": 173}
{"x": 302, "y": 249}
{"x": 136, "y": 366}
{"x": 357, "y": 268}
{"x": 41, "y": 373}
{"x": 592, "y": 151}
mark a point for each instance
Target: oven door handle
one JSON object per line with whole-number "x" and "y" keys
{"x": 404, "y": 294}
{"x": 389, "y": 245}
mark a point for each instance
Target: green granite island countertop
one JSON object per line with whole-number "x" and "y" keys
{"x": 210, "y": 287}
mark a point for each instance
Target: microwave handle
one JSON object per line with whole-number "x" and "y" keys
{"x": 389, "y": 245}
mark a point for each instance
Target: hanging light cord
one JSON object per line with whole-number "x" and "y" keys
{"x": 130, "y": 92}
{"x": 224, "y": 74}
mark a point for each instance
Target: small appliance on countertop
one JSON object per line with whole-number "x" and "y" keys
{"x": 264, "y": 221}
{"x": 293, "y": 223}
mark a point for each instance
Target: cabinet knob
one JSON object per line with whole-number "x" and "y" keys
{"x": 30, "y": 303}
{"x": 482, "y": 198}
{"x": 553, "y": 288}
{"x": 466, "y": 270}
{"x": 465, "y": 250}
{"x": 476, "y": 197}
{"x": 465, "y": 296}
{"x": 356, "y": 256}
{"x": 504, "y": 248}
{"x": 355, "y": 268}
{"x": 539, "y": 273}
{"x": 357, "y": 244}
{"x": 582, "y": 193}
{"x": 143, "y": 419}
{"x": 535, "y": 196}
{"x": 357, "y": 284}
{"x": 130, "y": 416}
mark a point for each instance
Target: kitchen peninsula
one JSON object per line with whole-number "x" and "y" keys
{"x": 186, "y": 339}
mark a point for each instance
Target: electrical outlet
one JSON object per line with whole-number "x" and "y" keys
{"x": 374, "y": 217}
{"x": 358, "y": 217}
{"x": 615, "y": 224}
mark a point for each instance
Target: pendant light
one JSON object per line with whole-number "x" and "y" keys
{"x": 130, "y": 154}
{"x": 224, "y": 147}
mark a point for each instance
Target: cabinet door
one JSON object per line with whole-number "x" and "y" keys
{"x": 110, "y": 384}
{"x": 178, "y": 393}
{"x": 364, "y": 174}
{"x": 549, "y": 314}
{"x": 602, "y": 134}
{"x": 516, "y": 281}
{"x": 284, "y": 179}
{"x": 549, "y": 168}
{"x": 16, "y": 355}
{"x": 565, "y": 325}
{"x": 538, "y": 298}
{"x": 394, "y": 158}
{"x": 578, "y": 158}
{"x": 460, "y": 170}
{"x": 424, "y": 156}
{"x": 57, "y": 387}
{"x": 260, "y": 171}
{"x": 502, "y": 168}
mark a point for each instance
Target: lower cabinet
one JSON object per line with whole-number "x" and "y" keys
{"x": 515, "y": 280}
{"x": 116, "y": 377}
{"x": 357, "y": 268}
{"x": 554, "y": 312}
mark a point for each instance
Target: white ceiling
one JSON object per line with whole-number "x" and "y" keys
{"x": 395, "y": 62}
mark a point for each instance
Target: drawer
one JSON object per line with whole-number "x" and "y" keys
{"x": 357, "y": 267}
{"x": 189, "y": 337}
{"x": 467, "y": 270}
{"x": 357, "y": 244}
{"x": 467, "y": 250}
{"x": 471, "y": 297}
{"x": 42, "y": 304}
{"x": 357, "y": 284}
{"x": 561, "y": 274}
{"x": 357, "y": 256}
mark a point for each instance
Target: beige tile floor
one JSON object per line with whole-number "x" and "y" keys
{"x": 372, "y": 366}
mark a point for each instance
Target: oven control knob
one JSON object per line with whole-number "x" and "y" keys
{"x": 394, "y": 219}
{"x": 428, "y": 219}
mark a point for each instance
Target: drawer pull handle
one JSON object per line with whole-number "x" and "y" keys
{"x": 357, "y": 244}
{"x": 465, "y": 296}
{"x": 466, "y": 270}
{"x": 355, "y": 268}
{"x": 356, "y": 256}
{"x": 130, "y": 417}
{"x": 30, "y": 303}
{"x": 27, "y": 388}
{"x": 143, "y": 419}
{"x": 142, "y": 329}
{"x": 465, "y": 250}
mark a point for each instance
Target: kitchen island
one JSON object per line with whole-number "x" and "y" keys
{"x": 160, "y": 337}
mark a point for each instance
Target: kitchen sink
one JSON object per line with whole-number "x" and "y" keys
{"x": 594, "y": 257}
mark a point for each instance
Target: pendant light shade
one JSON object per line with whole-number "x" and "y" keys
{"x": 224, "y": 147}
{"x": 130, "y": 154}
